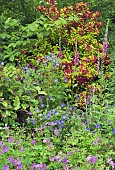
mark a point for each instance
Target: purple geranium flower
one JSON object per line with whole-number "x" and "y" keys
{"x": 92, "y": 159}
{"x": 110, "y": 162}
{"x": 10, "y": 159}
{"x": 33, "y": 142}
{"x": 52, "y": 158}
{"x": 1, "y": 143}
{"x": 19, "y": 165}
{"x": 57, "y": 132}
{"x": 5, "y": 167}
{"x": 11, "y": 140}
{"x": 95, "y": 143}
{"x": 4, "y": 149}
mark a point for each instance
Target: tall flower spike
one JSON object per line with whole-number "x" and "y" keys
{"x": 98, "y": 66}
{"x": 76, "y": 60}
{"x": 105, "y": 41}
{"x": 60, "y": 52}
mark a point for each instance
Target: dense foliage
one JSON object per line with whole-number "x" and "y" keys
{"x": 57, "y": 85}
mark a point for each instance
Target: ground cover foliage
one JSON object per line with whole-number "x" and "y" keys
{"x": 57, "y": 85}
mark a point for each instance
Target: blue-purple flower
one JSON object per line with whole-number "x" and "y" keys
{"x": 113, "y": 131}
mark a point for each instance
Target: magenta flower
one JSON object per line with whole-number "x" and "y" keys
{"x": 76, "y": 59}
{"x": 65, "y": 160}
{"x": 105, "y": 42}
{"x": 46, "y": 140}
{"x": 52, "y": 158}
{"x": 17, "y": 142}
{"x": 4, "y": 149}
{"x": 10, "y": 140}
{"x": 110, "y": 162}
{"x": 60, "y": 52}
{"x": 19, "y": 165}
{"x": 92, "y": 159}
{"x": 95, "y": 143}
{"x": 33, "y": 142}
{"x": 43, "y": 167}
{"x": 50, "y": 145}
{"x": 14, "y": 162}
{"x": 10, "y": 159}
{"x": 58, "y": 159}
{"x": 6, "y": 167}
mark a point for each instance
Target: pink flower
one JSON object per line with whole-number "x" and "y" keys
{"x": 105, "y": 42}
{"x": 46, "y": 140}
{"x": 57, "y": 132}
{"x": 76, "y": 59}
{"x": 52, "y": 159}
{"x": 110, "y": 162}
{"x": 95, "y": 143}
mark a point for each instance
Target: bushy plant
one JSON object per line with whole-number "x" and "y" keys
{"x": 19, "y": 44}
{"x": 19, "y": 93}
{"x": 74, "y": 40}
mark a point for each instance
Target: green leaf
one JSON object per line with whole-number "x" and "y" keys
{"x": 16, "y": 103}
{"x": 4, "y": 35}
{"x": 37, "y": 88}
{"x": 1, "y": 94}
{"x": 24, "y": 106}
{"x": 42, "y": 92}
{"x": 11, "y": 23}
{"x": 4, "y": 104}
{"x": 12, "y": 57}
{"x": 33, "y": 27}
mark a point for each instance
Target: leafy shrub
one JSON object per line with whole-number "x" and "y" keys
{"x": 19, "y": 43}
{"x": 74, "y": 40}
{"x": 19, "y": 93}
